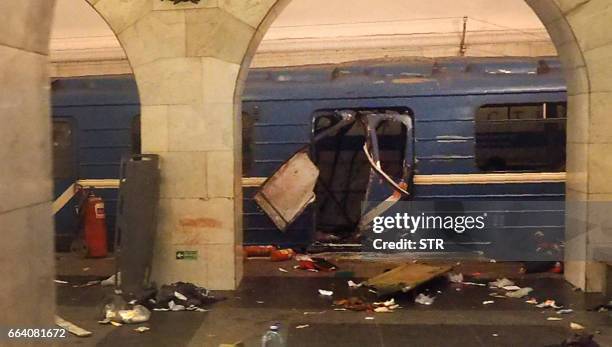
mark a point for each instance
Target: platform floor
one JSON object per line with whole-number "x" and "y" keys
{"x": 266, "y": 295}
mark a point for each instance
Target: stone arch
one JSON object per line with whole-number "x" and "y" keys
{"x": 190, "y": 63}
{"x": 582, "y": 49}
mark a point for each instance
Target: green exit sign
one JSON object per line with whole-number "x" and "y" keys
{"x": 186, "y": 255}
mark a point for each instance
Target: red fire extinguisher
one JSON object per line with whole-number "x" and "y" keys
{"x": 94, "y": 226}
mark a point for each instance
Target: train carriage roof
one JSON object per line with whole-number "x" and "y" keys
{"x": 406, "y": 77}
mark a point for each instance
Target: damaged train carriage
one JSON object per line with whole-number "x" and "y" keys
{"x": 321, "y": 141}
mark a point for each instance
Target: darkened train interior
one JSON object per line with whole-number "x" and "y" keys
{"x": 527, "y": 137}
{"x": 345, "y": 171}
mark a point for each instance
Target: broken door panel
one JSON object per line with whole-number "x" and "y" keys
{"x": 390, "y": 153}
{"x": 285, "y": 195}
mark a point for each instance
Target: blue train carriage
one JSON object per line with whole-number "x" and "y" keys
{"x": 457, "y": 129}
{"x": 450, "y": 128}
{"x": 95, "y": 123}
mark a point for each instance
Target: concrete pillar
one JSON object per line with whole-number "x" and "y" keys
{"x": 592, "y": 145}
{"x": 26, "y": 250}
{"x": 186, "y": 59}
{"x": 577, "y": 28}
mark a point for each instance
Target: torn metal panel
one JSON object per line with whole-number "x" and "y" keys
{"x": 286, "y": 194}
{"x": 383, "y": 189}
{"x": 405, "y": 277}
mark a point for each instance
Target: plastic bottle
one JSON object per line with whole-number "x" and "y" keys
{"x": 273, "y": 337}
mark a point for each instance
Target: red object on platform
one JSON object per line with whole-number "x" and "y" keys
{"x": 282, "y": 254}
{"x": 94, "y": 225}
{"x": 258, "y": 251}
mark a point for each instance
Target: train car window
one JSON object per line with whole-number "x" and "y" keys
{"x": 136, "y": 135}
{"x": 63, "y": 150}
{"x": 521, "y": 137}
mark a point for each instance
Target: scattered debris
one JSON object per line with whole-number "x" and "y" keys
{"x": 111, "y": 280}
{"x": 565, "y": 311}
{"x": 312, "y": 313}
{"x": 455, "y": 278}
{"x": 424, "y": 299}
{"x": 352, "y": 284}
{"x": 86, "y": 269}
{"x": 142, "y": 329}
{"x": 495, "y": 335}
{"x": 488, "y": 302}
{"x": 175, "y": 307}
{"x": 183, "y": 296}
{"x": 88, "y": 284}
{"x": 385, "y": 306}
{"x": 541, "y": 266}
{"x": 388, "y": 303}
{"x": 314, "y": 264}
{"x": 501, "y": 283}
{"x": 474, "y": 284}
{"x": 382, "y": 309}
{"x": 580, "y": 340}
{"x": 326, "y": 292}
{"x": 497, "y": 295}
{"x": 532, "y": 301}
{"x": 369, "y": 318}
{"x": 554, "y": 318}
{"x": 282, "y": 270}
{"x": 117, "y": 324}
{"x": 519, "y": 293}
{"x": 511, "y": 288}
{"x": 60, "y": 281}
{"x": 259, "y": 302}
{"x": 114, "y": 314}
{"x": 548, "y": 303}
{"x": 604, "y": 308}
{"x": 353, "y": 304}
{"x": 235, "y": 344}
{"x": 404, "y": 278}
{"x": 180, "y": 296}
{"x": 302, "y": 326}
{"x": 576, "y": 326}
{"x": 72, "y": 328}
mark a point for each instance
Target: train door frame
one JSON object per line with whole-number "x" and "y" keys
{"x": 380, "y": 186}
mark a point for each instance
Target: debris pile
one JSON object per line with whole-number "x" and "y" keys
{"x": 357, "y": 304}
{"x": 314, "y": 264}
{"x": 182, "y": 296}
{"x": 424, "y": 299}
{"x": 179, "y": 296}
{"x": 115, "y": 314}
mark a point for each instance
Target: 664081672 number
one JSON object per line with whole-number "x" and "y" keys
{"x": 35, "y": 333}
